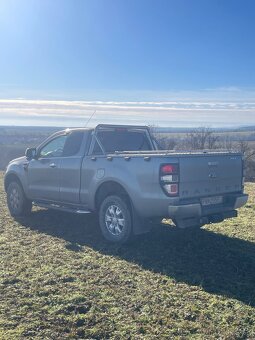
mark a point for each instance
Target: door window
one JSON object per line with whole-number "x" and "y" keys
{"x": 54, "y": 148}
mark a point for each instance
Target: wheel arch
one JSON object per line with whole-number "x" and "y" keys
{"x": 108, "y": 188}
{"x": 11, "y": 177}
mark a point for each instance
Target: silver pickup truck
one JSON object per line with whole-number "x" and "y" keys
{"x": 120, "y": 173}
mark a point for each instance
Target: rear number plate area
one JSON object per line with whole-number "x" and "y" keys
{"x": 211, "y": 200}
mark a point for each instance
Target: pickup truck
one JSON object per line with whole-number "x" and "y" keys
{"x": 118, "y": 172}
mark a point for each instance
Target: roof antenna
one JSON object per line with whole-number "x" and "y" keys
{"x": 90, "y": 118}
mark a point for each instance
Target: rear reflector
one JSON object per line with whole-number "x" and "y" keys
{"x": 171, "y": 189}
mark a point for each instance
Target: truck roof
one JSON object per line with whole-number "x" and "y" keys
{"x": 105, "y": 126}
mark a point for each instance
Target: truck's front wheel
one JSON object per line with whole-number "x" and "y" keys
{"x": 115, "y": 219}
{"x": 17, "y": 202}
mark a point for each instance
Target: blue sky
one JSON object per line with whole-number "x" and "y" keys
{"x": 127, "y": 50}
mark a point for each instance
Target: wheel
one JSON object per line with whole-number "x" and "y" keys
{"x": 115, "y": 219}
{"x": 17, "y": 202}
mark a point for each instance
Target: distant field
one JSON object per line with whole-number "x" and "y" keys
{"x": 234, "y": 134}
{"x": 9, "y": 152}
{"x": 15, "y": 140}
{"x": 234, "y": 137}
{"x": 59, "y": 279}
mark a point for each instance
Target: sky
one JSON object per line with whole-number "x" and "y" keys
{"x": 164, "y": 62}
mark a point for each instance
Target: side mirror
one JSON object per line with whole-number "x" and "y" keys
{"x": 30, "y": 153}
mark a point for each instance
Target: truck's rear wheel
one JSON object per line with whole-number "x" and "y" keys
{"x": 115, "y": 219}
{"x": 17, "y": 202}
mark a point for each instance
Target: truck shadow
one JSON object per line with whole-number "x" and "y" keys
{"x": 217, "y": 263}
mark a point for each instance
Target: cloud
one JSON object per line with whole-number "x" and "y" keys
{"x": 163, "y": 113}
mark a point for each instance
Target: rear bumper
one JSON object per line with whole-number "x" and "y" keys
{"x": 196, "y": 210}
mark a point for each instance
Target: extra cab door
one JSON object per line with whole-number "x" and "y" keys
{"x": 70, "y": 168}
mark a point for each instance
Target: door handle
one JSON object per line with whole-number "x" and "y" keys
{"x": 52, "y": 165}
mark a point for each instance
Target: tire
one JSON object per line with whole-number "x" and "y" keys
{"x": 17, "y": 202}
{"x": 115, "y": 219}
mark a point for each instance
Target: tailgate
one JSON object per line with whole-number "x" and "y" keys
{"x": 207, "y": 175}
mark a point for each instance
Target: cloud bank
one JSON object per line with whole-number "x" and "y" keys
{"x": 177, "y": 113}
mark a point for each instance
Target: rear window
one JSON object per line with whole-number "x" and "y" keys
{"x": 124, "y": 140}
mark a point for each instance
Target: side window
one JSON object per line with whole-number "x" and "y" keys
{"x": 54, "y": 148}
{"x": 73, "y": 143}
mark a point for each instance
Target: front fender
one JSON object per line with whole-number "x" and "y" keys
{"x": 16, "y": 172}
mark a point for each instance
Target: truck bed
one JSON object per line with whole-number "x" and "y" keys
{"x": 201, "y": 173}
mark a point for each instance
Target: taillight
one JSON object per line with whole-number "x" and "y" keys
{"x": 169, "y": 168}
{"x": 169, "y": 178}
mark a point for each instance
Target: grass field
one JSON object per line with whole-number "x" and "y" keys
{"x": 60, "y": 280}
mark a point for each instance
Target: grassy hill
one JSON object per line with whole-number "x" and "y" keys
{"x": 60, "y": 280}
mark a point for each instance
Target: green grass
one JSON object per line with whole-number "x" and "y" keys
{"x": 59, "y": 279}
